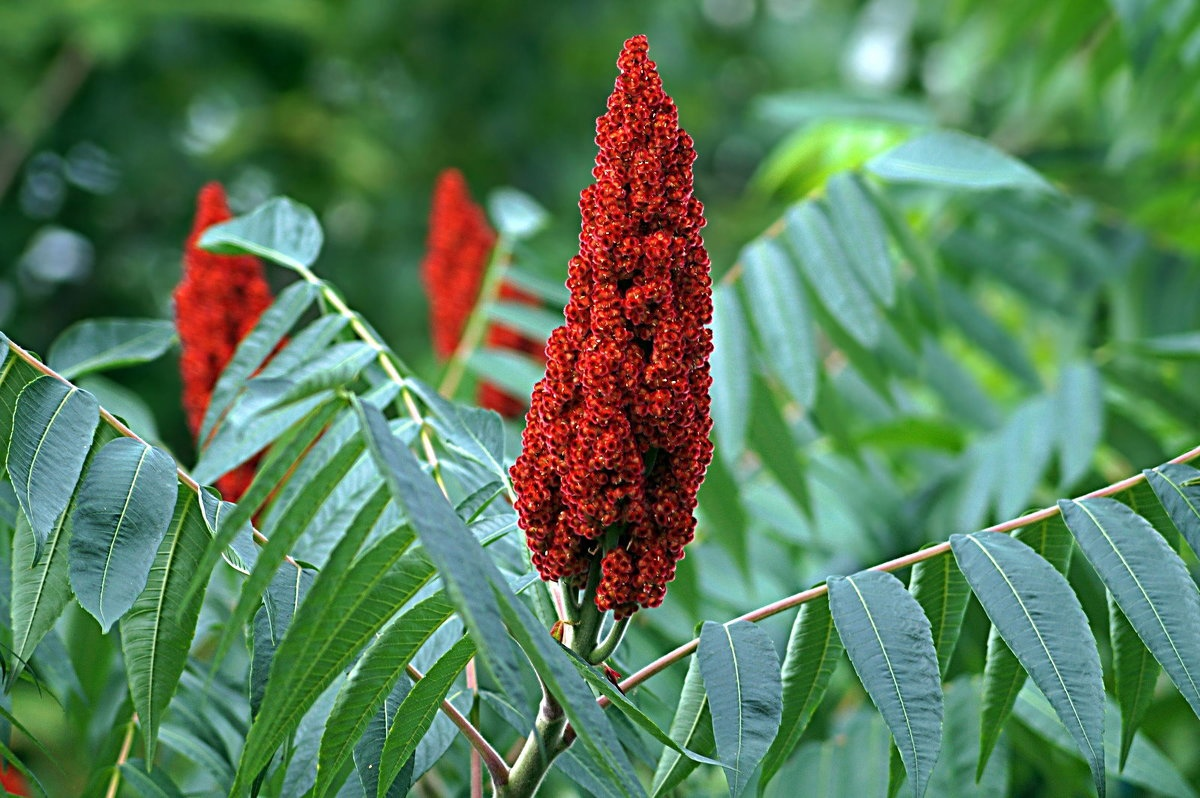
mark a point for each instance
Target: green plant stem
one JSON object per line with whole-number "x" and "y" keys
{"x": 545, "y": 742}
{"x": 605, "y": 648}
{"x": 476, "y": 324}
{"x": 122, "y": 757}
{"x": 795, "y": 600}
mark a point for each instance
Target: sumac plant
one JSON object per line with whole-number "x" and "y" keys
{"x": 393, "y": 590}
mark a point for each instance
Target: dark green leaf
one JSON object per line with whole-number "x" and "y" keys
{"x": 102, "y": 344}
{"x": 942, "y": 591}
{"x": 1149, "y": 582}
{"x": 1002, "y": 674}
{"x": 691, "y": 728}
{"x": 741, "y": 676}
{"x": 1135, "y": 672}
{"x": 1172, "y": 483}
{"x": 157, "y": 632}
{"x": 417, "y": 711}
{"x": 888, "y": 639}
{"x": 813, "y": 651}
{"x": 368, "y": 750}
{"x": 279, "y": 230}
{"x": 52, "y": 430}
{"x": 955, "y": 160}
{"x": 122, "y": 513}
{"x": 148, "y": 784}
{"x": 1041, "y": 620}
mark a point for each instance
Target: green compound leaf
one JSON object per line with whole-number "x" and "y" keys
{"x": 888, "y": 639}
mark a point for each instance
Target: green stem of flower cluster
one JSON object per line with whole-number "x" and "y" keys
{"x": 477, "y": 322}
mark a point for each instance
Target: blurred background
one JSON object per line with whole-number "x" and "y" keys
{"x": 115, "y": 113}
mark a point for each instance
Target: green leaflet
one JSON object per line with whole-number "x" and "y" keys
{"x": 731, "y": 379}
{"x": 947, "y": 158}
{"x": 52, "y": 427}
{"x": 823, "y": 263}
{"x": 369, "y": 749}
{"x": 417, "y": 711}
{"x": 530, "y": 320}
{"x": 157, "y": 631}
{"x": 509, "y": 370}
{"x": 780, "y": 315}
{"x": 101, "y": 344}
{"x": 691, "y": 728}
{"x": 372, "y": 680}
{"x": 1149, "y": 582}
{"x": 1135, "y": 672}
{"x": 813, "y": 651}
{"x": 1171, "y": 483}
{"x": 255, "y": 348}
{"x": 516, "y": 214}
{"x": 888, "y": 639}
{"x": 156, "y": 784}
{"x": 41, "y": 588}
{"x": 1045, "y": 628}
{"x": 741, "y": 676}
{"x": 124, "y": 508}
{"x": 325, "y": 635}
{"x": 862, "y": 234}
{"x": 942, "y": 591}
{"x": 1002, "y": 674}
{"x": 279, "y": 230}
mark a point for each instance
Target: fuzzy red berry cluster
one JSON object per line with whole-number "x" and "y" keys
{"x": 217, "y": 302}
{"x": 460, "y": 243}
{"x": 616, "y": 442}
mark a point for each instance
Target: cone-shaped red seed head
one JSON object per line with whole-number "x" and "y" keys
{"x": 218, "y": 301}
{"x": 616, "y": 442}
{"x": 458, "y": 246}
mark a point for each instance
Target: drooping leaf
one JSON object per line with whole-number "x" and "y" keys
{"x": 149, "y": 784}
{"x": 813, "y": 651}
{"x": 832, "y": 279}
{"x": 691, "y": 727}
{"x": 1135, "y": 672}
{"x": 1146, "y": 767}
{"x": 369, "y": 749}
{"x": 781, "y": 318}
{"x": 1173, "y": 483}
{"x": 417, "y": 711}
{"x": 951, "y": 159}
{"x": 283, "y": 598}
{"x": 1042, "y": 622}
{"x": 52, "y": 429}
{"x": 301, "y": 771}
{"x": 773, "y": 441}
{"x": 741, "y": 676}
{"x": 862, "y": 234}
{"x": 123, "y": 511}
{"x": 245, "y": 431}
{"x": 342, "y": 612}
{"x": 157, "y": 631}
{"x": 888, "y": 639}
{"x": 279, "y": 230}
{"x": 1149, "y": 582}
{"x": 102, "y": 344}
{"x": 372, "y": 680}
{"x": 511, "y": 371}
{"x": 731, "y": 378}
{"x": 15, "y": 374}
{"x": 1003, "y": 676}
{"x": 942, "y": 591}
